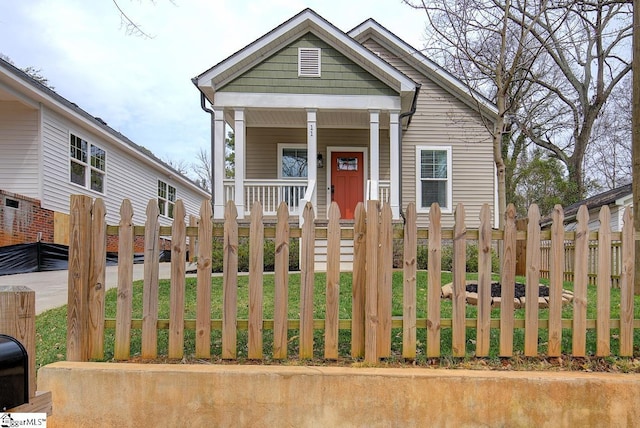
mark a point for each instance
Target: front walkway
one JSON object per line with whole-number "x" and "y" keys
{"x": 52, "y": 287}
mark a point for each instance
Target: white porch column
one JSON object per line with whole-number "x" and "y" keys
{"x": 218, "y": 163}
{"x": 240, "y": 142}
{"x": 312, "y": 152}
{"x": 374, "y": 143}
{"x": 394, "y": 158}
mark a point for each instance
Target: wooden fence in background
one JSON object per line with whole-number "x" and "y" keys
{"x": 371, "y": 321}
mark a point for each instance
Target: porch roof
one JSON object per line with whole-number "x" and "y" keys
{"x": 306, "y": 21}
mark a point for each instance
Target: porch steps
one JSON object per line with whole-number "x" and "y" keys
{"x": 346, "y": 255}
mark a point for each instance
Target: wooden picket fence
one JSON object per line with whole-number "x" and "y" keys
{"x": 371, "y": 321}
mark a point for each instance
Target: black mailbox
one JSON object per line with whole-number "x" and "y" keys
{"x": 14, "y": 373}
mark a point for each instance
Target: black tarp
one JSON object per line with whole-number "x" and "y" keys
{"x": 43, "y": 257}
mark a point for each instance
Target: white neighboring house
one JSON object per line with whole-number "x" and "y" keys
{"x": 50, "y": 149}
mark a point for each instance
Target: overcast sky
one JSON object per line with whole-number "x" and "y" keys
{"x": 142, "y": 87}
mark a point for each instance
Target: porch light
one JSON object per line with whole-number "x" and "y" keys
{"x": 320, "y": 161}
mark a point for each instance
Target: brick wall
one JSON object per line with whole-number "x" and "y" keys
{"x": 138, "y": 244}
{"x": 22, "y": 220}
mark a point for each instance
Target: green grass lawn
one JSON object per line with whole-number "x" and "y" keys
{"x": 51, "y": 328}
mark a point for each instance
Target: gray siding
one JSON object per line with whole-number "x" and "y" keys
{"x": 19, "y": 149}
{"x": 279, "y": 74}
{"x": 126, "y": 176}
{"x": 443, "y": 120}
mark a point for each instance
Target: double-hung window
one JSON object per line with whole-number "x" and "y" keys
{"x": 293, "y": 161}
{"x": 166, "y": 198}
{"x": 433, "y": 178}
{"x": 88, "y": 164}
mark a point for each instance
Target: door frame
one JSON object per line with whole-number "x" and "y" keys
{"x": 365, "y": 161}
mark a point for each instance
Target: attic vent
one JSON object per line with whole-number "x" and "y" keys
{"x": 309, "y": 62}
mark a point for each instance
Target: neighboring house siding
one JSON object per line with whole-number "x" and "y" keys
{"x": 443, "y": 120}
{"x": 19, "y": 148}
{"x": 26, "y": 223}
{"x": 279, "y": 74}
{"x": 126, "y": 176}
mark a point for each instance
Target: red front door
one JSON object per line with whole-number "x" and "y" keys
{"x": 347, "y": 181}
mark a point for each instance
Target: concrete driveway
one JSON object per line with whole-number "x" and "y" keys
{"x": 51, "y": 287}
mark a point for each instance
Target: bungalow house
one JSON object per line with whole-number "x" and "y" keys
{"x": 50, "y": 149}
{"x": 322, "y": 115}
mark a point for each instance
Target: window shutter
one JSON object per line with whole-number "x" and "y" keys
{"x": 309, "y": 62}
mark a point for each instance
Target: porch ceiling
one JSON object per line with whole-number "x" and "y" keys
{"x": 281, "y": 118}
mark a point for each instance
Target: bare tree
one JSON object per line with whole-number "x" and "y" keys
{"x": 478, "y": 42}
{"x": 202, "y": 168}
{"x": 586, "y": 42}
{"x": 609, "y": 154}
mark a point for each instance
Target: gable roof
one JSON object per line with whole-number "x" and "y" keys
{"x": 610, "y": 197}
{"x": 307, "y": 20}
{"x": 372, "y": 29}
{"x": 26, "y": 89}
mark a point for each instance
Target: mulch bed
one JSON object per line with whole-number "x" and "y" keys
{"x": 543, "y": 290}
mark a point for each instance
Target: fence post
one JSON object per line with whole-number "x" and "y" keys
{"x": 78, "y": 285}
{"x": 18, "y": 320}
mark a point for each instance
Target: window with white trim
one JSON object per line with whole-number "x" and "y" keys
{"x": 293, "y": 161}
{"x": 87, "y": 165}
{"x": 433, "y": 178}
{"x": 309, "y": 62}
{"x": 166, "y": 198}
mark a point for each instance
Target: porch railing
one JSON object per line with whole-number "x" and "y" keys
{"x": 270, "y": 193}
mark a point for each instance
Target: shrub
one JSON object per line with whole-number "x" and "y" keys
{"x": 243, "y": 254}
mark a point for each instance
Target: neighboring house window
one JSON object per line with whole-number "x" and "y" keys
{"x": 433, "y": 166}
{"x": 309, "y": 62}
{"x": 293, "y": 161}
{"x": 166, "y": 198}
{"x": 88, "y": 164}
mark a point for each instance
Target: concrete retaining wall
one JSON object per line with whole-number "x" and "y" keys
{"x": 158, "y": 395}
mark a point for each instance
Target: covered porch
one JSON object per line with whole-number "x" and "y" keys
{"x": 308, "y": 155}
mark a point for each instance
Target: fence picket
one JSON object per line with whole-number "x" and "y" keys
{"x": 507, "y": 282}
{"x": 151, "y": 282}
{"x": 627, "y": 285}
{"x": 78, "y": 282}
{"x": 385, "y": 270}
{"x": 372, "y": 294}
{"x": 358, "y": 282}
{"x": 434, "y": 283}
{"x": 97, "y": 274}
{"x": 281, "y": 292}
{"x": 556, "y": 267}
{"x": 459, "y": 283}
{"x": 332, "y": 288}
{"x": 230, "y": 280}
{"x": 580, "y": 283}
{"x": 125, "y": 283}
{"x": 256, "y": 275}
{"x": 483, "y": 332}
{"x": 532, "y": 289}
{"x": 176, "y": 298}
{"x": 307, "y": 279}
{"x": 203, "y": 293}
{"x": 603, "y": 331}
{"x": 409, "y": 287}
{"x": 371, "y": 284}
